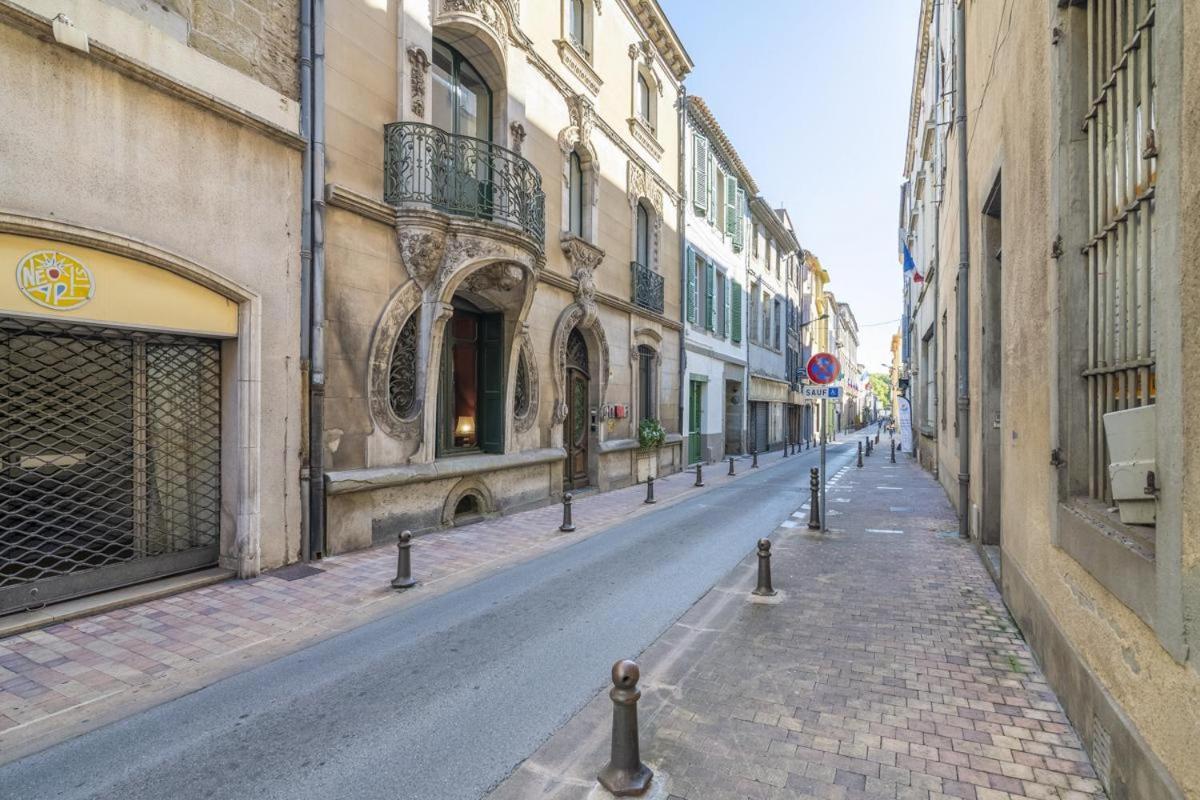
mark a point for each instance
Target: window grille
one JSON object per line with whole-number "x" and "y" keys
{"x": 1119, "y": 123}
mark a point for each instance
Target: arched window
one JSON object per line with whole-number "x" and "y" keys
{"x": 579, "y": 25}
{"x": 642, "y": 255}
{"x": 644, "y": 99}
{"x": 576, "y": 195}
{"x": 462, "y": 101}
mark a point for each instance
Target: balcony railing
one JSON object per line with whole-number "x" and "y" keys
{"x": 463, "y": 176}
{"x": 647, "y": 288}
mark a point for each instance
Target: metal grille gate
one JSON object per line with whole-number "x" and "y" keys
{"x": 109, "y": 458}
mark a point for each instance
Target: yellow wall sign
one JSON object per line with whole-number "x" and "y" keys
{"x": 55, "y": 280}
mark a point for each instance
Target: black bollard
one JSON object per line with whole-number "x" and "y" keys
{"x": 893, "y": 452}
{"x": 404, "y": 578}
{"x": 567, "y": 525}
{"x": 731, "y": 472}
{"x": 814, "y": 505}
{"x": 625, "y": 775}
{"x": 650, "y": 491}
{"x": 754, "y": 458}
{"x": 876, "y": 437}
{"x": 868, "y": 447}
{"x": 785, "y": 448}
{"x": 764, "y": 588}
{"x": 699, "y": 475}
{"x": 860, "y": 455}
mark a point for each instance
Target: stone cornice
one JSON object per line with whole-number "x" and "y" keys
{"x": 658, "y": 29}
{"x": 338, "y": 196}
{"x": 38, "y": 26}
{"x": 578, "y": 64}
{"x": 644, "y": 134}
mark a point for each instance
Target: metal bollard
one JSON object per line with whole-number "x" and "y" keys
{"x": 625, "y": 775}
{"x": 699, "y": 475}
{"x": 754, "y": 458}
{"x": 404, "y": 578}
{"x": 814, "y": 505}
{"x": 567, "y": 525}
{"x": 795, "y": 448}
{"x": 876, "y": 437}
{"x": 893, "y": 452}
{"x": 868, "y": 447}
{"x": 649, "y": 491}
{"x": 860, "y": 455}
{"x": 785, "y": 448}
{"x": 764, "y": 588}
{"x": 731, "y": 472}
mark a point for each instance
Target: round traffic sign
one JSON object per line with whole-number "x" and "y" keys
{"x": 824, "y": 368}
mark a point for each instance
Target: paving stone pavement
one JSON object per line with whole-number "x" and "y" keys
{"x": 887, "y": 668}
{"x": 98, "y": 668}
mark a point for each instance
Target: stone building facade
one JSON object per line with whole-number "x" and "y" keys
{"x": 714, "y": 273}
{"x": 149, "y": 300}
{"x": 502, "y": 241}
{"x": 1070, "y": 383}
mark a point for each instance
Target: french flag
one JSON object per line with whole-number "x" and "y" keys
{"x": 909, "y": 264}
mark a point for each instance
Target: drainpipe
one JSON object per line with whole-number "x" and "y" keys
{"x": 312, "y": 272}
{"x": 964, "y": 263}
{"x": 683, "y": 197}
{"x": 937, "y": 245}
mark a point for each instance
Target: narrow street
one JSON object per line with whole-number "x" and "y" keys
{"x": 486, "y": 672}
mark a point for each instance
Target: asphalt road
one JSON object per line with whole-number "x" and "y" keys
{"x": 441, "y": 700}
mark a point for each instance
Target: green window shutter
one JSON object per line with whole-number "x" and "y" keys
{"x": 735, "y": 316}
{"x": 726, "y": 285}
{"x": 700, "y": 173}
{"x": 739, "y": 226}
{"x": 691, "y": 285}
{"x": 710, "y": 305}
{"x": 491, "y": 381}
{"x": 730, "y": 205}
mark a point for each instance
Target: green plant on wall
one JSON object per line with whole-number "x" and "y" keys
{"x": 651, "y": 434}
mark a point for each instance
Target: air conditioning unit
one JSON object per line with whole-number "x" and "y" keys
{"x": 1131, "y": 469}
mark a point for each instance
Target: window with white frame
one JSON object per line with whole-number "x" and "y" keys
{"x": 579, "y": 25}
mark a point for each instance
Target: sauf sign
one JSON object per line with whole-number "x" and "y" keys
{"x": 821, "y": 392}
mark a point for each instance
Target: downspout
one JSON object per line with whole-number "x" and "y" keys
{"x": 312, "y": 115}
{"x": 306, "y": 25}
{"x": 683, "y": 197}
{"x": 937, "y": 244}
{"x": 964, "y": 262}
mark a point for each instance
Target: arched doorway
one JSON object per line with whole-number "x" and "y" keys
{"x": 576, "y": 427}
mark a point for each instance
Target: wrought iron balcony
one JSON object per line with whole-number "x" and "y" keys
{"x": 647, "y": 287}
{"x": 463, "y": 176}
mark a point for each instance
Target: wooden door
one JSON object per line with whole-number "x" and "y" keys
{"x": 575, "y": 434}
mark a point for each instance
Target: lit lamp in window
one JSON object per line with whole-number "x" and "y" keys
{"x": 464, "y": 431}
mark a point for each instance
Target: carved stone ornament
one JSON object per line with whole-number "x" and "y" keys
{"x": 421, "y": 250}
{"x": 517, "y": 130}
{"x": 501, "y": 277}
{"x": 584, "y": 258}
{"x": 641, "y": 185}
{"x": 583, "y": 118}
{"x": 418, "y": 62}
{"x": 492, "y": 14}
{"x": 572, "y": 317}
{"x": 398, "y": 366}
{"x": 647, "y": 51}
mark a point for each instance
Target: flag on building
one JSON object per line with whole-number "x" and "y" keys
{"x": 909, "y": 264}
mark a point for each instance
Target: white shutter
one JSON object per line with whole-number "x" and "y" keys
{"x": 739, "y": 232}
{"x": 700, "y": 172}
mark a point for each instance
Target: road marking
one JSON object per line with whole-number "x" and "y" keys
{"x": 882, "y": 530}
{"x": 891, "y": 488}
{"x": 787, "y": 523}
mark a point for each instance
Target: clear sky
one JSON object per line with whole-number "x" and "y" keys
{"x": 814, "y": 95}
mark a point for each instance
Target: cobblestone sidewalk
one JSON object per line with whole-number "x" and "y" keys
{"x": 889, "y": 668}
{"x": 82, "y": 672}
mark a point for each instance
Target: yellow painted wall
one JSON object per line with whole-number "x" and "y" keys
{"x": 124, "y": 292}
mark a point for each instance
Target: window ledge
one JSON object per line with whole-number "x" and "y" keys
{"x": 579, "y": 64}
{"x": 360, "y": 480}
{"x": 645, "y": 136}
{"x": 1120, "y": 558}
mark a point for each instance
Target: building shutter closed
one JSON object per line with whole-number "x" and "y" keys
{"x": 735, "y": 317}
{"x": 710, "y": 305}
{"x": 491, "y": 379}
{"x": 731, "y": 206}
{"x": 700, "y": 173}
{"x": 728, "y": 294}
{"x": 691, "y": 285}
{"x": 739, "y": 231}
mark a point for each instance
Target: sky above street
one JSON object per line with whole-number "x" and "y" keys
{"x": 814, "y": 96}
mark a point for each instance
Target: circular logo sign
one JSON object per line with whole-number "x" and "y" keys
{"x": 54, "y": 280}
{"x": 824, "y": 368}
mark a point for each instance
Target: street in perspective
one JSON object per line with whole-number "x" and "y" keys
{"x": 578, "y": 399}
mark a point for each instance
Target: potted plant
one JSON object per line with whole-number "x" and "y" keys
{"x": 650, "y": 437}
{"x": 651, "y": 434}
